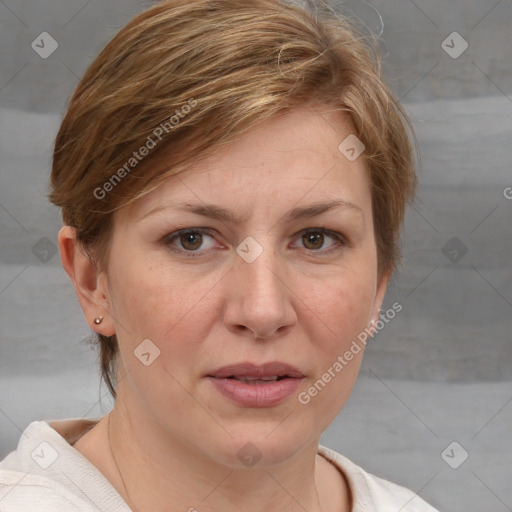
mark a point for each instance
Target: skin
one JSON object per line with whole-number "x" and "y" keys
{"x": 174, "y": 436}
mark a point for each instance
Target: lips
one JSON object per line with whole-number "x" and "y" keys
{"x": 249, "y": 385}
{"x": 251, "y": 372}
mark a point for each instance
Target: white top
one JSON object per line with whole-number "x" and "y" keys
{"x": 46, "y": 473}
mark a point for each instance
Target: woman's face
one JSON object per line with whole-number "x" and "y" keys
{"x": 232, "y": 262}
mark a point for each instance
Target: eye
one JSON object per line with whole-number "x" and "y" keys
{"x": 189, "y": 241}
{"x": 314, "y": 239}
{"x": 197, "y": 241}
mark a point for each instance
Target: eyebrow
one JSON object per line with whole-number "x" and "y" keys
{"x": 216, "y": 212}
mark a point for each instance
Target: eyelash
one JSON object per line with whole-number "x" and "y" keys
{"x": 338, "y": 237}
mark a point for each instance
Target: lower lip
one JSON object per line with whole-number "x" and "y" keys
{"x": 256, "y": 395}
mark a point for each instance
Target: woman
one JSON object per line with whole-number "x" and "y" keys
{"x": 233, "y": 177}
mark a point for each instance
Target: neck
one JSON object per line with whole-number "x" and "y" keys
{"x": 146, "y": 465}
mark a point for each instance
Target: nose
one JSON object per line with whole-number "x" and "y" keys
{"x": 260, "y": 300}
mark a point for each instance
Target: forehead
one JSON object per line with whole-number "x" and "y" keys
{"x": 286, "y": 159}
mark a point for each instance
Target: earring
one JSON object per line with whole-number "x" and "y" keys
{"x": 98, "y": 320}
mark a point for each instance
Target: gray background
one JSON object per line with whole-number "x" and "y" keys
{"x": 439, "y": 372}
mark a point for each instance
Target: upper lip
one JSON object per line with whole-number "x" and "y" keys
{"x": 247, "y": 369}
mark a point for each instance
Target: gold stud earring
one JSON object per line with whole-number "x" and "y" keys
{"x": 98, "y": 320}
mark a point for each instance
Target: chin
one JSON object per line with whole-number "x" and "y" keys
{"x": 261, "y": 446}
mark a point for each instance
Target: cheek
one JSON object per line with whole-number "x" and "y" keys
{"x": 172, "y": 310}
{"x": 337, "y": 314}
{"x": 155, "y": 301}
{"x": 338, "y": 328}
{"x": 339, "y": 305}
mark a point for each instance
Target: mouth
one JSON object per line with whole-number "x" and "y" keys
{"x": 251, "y": 373}
{"x": 250, "y": 385}
{"x": 258, "y": 380}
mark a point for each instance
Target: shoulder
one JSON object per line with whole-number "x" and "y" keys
{"x": 46, "y": 473}
{"x": 374, "y": 494}
{"x": 25, "y": 492}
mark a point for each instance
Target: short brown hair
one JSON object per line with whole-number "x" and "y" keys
{"x": 219, "y": 67}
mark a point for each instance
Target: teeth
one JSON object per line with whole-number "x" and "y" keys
{"x": 251, "y": 379}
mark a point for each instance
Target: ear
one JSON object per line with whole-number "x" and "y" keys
{"x": 91, "y": 286}
{"x": 379, "y": 299}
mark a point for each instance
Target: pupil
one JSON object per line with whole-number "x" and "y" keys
{"x": 316, "y": 239}
{"x": 191, "y": 240}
